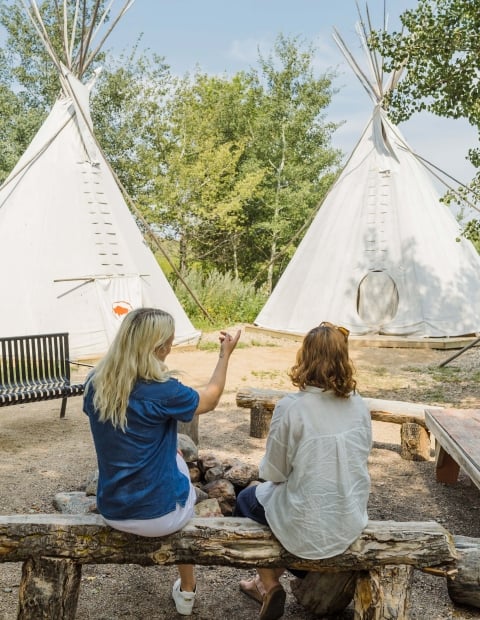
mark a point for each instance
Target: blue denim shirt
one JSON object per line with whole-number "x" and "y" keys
{"x": 138, "y": 475}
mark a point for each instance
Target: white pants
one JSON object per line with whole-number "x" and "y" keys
{"x": 167, "y": 524}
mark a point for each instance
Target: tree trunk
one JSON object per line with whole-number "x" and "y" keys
{"x": 325, "y": 594}
{"x": 190, "y": 429}
{"x": 49, "y": 589}
{"x": 384, "y": 594}
{"x": 260, "y": 418}
{"x": 464, "y": 588}
{"x": 415, "y": 442}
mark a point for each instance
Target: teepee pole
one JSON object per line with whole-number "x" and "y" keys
{"x": 139, "y": 215}
{"x": 157, "y": 243}
{"x": 92, "y": 55}
{"x": 74, "y": 30}
{"x": 458, "y": 353}
{"x": 41, "y": 30}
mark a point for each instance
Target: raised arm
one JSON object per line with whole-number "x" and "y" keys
{"x": 210, "y": 394}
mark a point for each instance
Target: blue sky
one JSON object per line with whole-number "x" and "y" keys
{"x": 225, "y": 35}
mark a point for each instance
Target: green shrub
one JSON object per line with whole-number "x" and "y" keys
{"x": 227, "y": 299}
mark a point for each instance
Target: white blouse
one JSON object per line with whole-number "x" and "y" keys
{"x": 315, "y": 465}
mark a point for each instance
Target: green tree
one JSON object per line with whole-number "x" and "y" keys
{"x": 127, "y": 107}
{"x": 291, "y": 138}
{"x": 248, "y": 160}
{"x": 31, "y": 67}
{"x": 204, "y": 184}
{"x": 472, "y": 232}
{"x": 440, "y": 48}
{"x": 29, "y": 82}
{"x": 18, "y": 122}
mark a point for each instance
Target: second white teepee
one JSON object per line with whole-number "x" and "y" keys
{"x": 383, "y": 255}
{"x": 72, "y": 257}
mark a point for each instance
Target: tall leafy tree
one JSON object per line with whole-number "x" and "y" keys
{"x": 18, "y": 121}
{"x": 30, "y": 65}
{"x": 291, "y": 138}
{"x": 204, "y": 185}
{"x": 128, "y": 112}
{"x": 440, "y": 48}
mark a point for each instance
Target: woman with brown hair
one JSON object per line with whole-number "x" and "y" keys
{"x": 316, "y": 487}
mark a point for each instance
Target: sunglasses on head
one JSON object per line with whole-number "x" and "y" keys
{"x": 342, "y": 330}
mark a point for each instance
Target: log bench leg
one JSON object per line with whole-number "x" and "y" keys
{"x": 446, "y": 468}
{"x": 260, "y": 418}
{"x": 325, "y": 594}
{"x": 463, "y": 587}
{"x": 415, "y": 442}
{"x": 384, "y": 594}
{"x": 49, "y": 589}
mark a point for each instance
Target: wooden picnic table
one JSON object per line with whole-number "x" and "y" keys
{"x": 457, "y": 436}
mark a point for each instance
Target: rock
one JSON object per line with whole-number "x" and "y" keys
{"x": 207, "y": 461}
{"x": 76, "y": 502}
{"x": 187, "y": 447}
{"x": 208, "y": 508}
{"x": 224, "y": 491}
{"x": 214, "y": 473}
{"x": 195, "y": 473}
{"x": 91, "y": 484}
{"x": 241, "y": 474}
{"x": 201, "y": 495}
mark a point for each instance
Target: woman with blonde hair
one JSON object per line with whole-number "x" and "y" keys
{"x": 134, "y": 403}
{"x": 316, "y": 487}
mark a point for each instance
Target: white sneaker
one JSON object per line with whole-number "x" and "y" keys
{"x": 183, "y": 600}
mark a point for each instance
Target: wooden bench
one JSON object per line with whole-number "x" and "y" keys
{"x": 457, "y": 438}
{"x": 54, "y": 547}
{"x": 414, "y": 435}
{"x": 34, "y": 368}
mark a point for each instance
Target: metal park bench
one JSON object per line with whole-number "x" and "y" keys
{"x": 34, "y": 368}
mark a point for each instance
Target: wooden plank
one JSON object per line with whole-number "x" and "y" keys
{"x": 458, "y": 433}
{"x": 375, "y": 340}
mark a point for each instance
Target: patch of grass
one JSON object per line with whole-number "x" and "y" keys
{"x": 415, "y": 369}
{"x": 267, "y": 374}
{"x": 441, "y": 375}
{"x": 210, "y": 345}
{"x": 258, "y": 343}
{"x": 226, "y": 298}
{"x": 381, "y": 371}
{"x": 435, "y": 394}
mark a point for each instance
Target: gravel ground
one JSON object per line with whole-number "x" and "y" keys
{"x": 41, "y": 455}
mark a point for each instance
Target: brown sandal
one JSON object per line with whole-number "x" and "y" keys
{"x": 252, "y": 592}
{"x": 273, "y": 604}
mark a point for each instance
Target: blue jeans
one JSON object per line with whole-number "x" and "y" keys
{"x": 248, "y": 506}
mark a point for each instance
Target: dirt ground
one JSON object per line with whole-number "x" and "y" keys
{"x": 41, "y": 455}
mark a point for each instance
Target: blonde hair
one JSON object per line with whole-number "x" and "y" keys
{"x": 322, "y": 361}
{"x": 130, "y": 357}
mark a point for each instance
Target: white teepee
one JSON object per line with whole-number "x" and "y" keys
{"x": 72, "y": 257}
{"x": 383, "y": 255}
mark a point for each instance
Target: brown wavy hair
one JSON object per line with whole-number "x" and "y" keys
{"x": 323, "y": 361}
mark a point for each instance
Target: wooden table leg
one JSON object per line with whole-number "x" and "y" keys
{"x": 446, "y": 468}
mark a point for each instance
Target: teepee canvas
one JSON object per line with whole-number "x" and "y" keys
{"x": 72, "y": 257}
{"x": 383, "y": 254}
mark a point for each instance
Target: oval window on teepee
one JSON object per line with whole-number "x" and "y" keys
{"x": 377, "y": 298}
